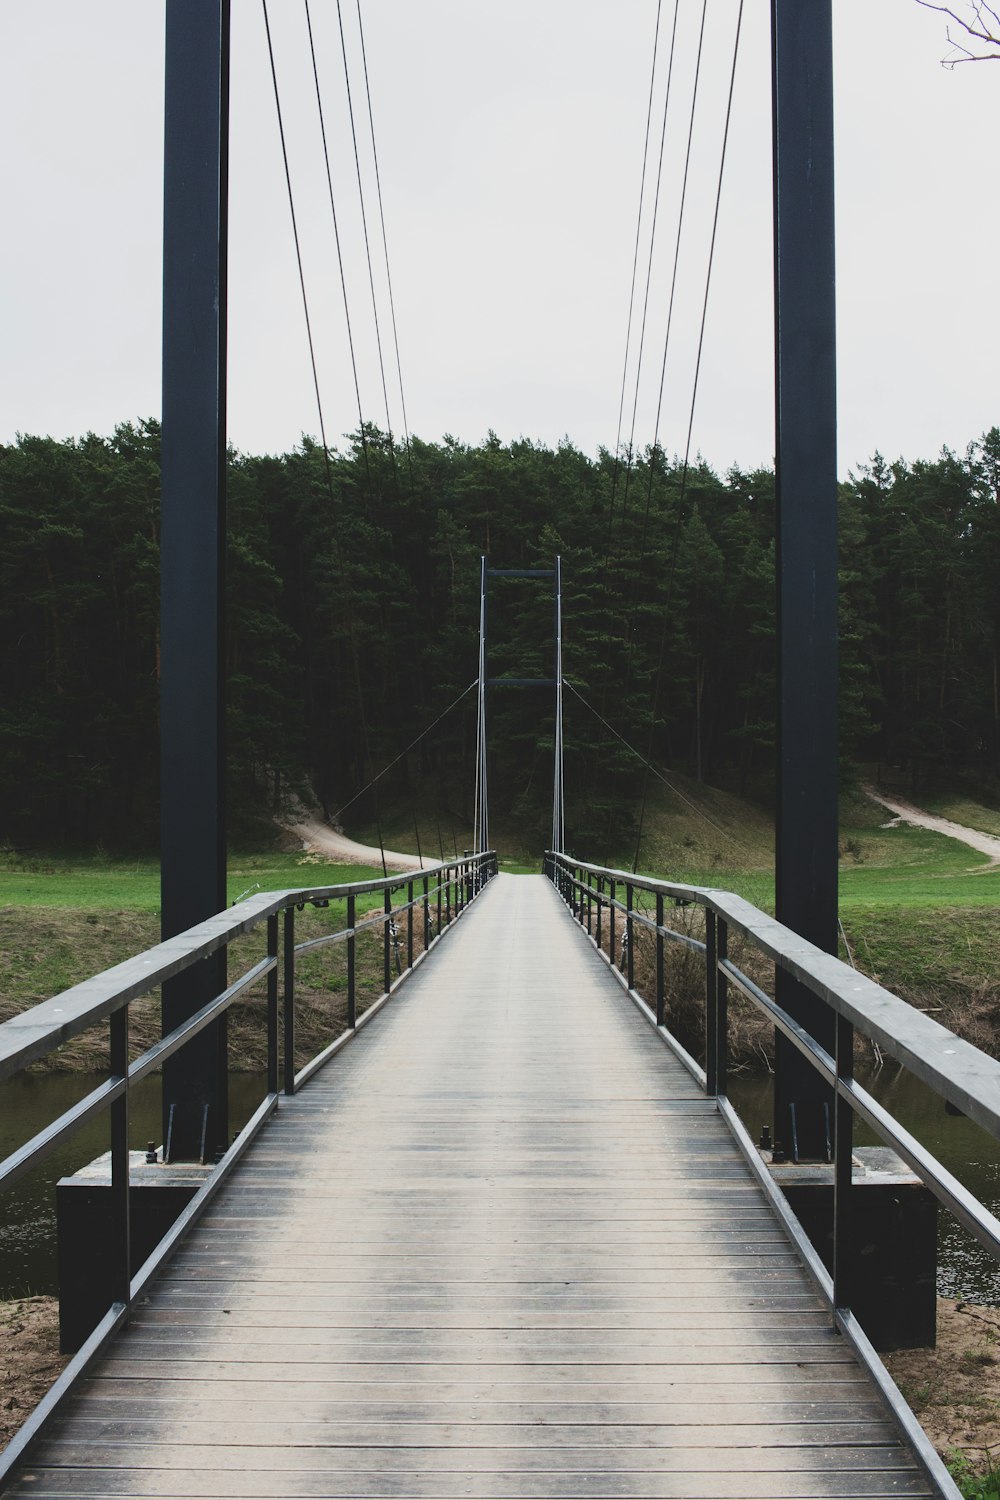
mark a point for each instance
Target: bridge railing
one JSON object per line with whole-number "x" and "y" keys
{"x": 435, "y": 897}
{"x": 603, "y": 901}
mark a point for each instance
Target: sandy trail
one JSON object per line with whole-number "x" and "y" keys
{"x": 985, "y": 843}
{"x": 320, "y": 838}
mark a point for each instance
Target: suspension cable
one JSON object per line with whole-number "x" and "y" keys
{"x": 364, "y": 222}
{"x": 411, "y": 746}
{"x": 298, "y": 248}
{"x": 481, "y": 796}
{"x": 385, "y": 245}
{"x": 635, "y": 267}
{"x": 694, "y": 396}
{"x": 649, "y": 263}
{"x": 340, "y": 257}
{"x": 652, "y": 769}
{"x": 338, "y": 551}
{"x": 680, "y": 223}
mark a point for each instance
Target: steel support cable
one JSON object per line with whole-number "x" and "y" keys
{"x": 298, "y": 247}
{"x": 609, "y": 542}
{"x": 652, "y": 457}
{"x": 411, "y": 746}
{"x": 385, "y": 247}
{"x": 666, "y": 343}
{"x": 357, "y": 391}
{"x": 649, "y": 263}
{"x": 340, "y": 258}
{"x": 694, "y": 397}
{"x": 677, "y": 246}
{"x": 631, "y": 295}
{"x": 558, "y": 781}
{"x": 364, "y": 223}
{"x": 319, "y": 399}
{"x": 481, "y": 795}
{"x": 737, "y": 843}
{"x": 652, "y": 237}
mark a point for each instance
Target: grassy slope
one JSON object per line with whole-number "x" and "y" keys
{"x": 103, "y": 884}
{"x": 920, "y": 912}
{"x": 62, "y": 920}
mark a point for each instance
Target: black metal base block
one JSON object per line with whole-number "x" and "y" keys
{"x": 894, "y": 1254}
{"x": 86, "y": 1258}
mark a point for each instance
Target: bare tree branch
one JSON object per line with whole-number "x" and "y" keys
{"x": 981, "y": 24}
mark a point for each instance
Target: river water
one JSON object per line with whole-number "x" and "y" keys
{"x": 29, "y": 1102}
{"x": 965, "y": 1269}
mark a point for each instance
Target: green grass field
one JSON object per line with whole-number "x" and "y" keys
{"x": 920, "y": 911}
{"x": 105, "y": 884}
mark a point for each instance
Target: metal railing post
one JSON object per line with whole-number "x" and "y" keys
{"x": 409, "y": 924}
{"x": 447, "y": 893}
{"x": 843, "y": 1130}
{"x": 427, "y": 913}
{"x": 722, "y": 1014}
{"x": 661, "y": 996}
{"x": 611, "y": 922}
{"x": 272, "y": 1006}
{"x": 288, "y": 1026}
{"x": 629, "y": 960}
{"x": 352, "y": 986}
{"x": 600, "y": 908}
{"x": 711, "y": 1003}
{"x": 121, "y": 1219}
{"x": 387, "y": 942}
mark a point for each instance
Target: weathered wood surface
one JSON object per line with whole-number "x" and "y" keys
{"x": 501, "y": 1247}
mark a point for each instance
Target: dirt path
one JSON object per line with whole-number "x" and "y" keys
{"x": 985, "y": 843}
{"x": 319, "y": 838}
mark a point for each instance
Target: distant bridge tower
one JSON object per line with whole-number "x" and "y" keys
{"x": 486, "y": 681}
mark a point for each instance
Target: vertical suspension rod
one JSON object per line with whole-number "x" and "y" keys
{"x": 558, "y": 794}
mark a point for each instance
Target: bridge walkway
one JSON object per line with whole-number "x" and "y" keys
{"x": 501, "y": 1246}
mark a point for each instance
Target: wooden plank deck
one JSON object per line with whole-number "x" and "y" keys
{"x": 501, "y": 1246}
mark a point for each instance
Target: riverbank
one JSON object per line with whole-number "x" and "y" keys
{"x": 29, "y": 1358}
{"x": 955, "y": 1388}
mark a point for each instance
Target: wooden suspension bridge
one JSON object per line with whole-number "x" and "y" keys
{"x": 512, "y": 1241}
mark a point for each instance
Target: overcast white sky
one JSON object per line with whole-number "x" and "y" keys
{"x": 510, "y": 138}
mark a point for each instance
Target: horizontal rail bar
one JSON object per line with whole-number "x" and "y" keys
{"x": 954, "y": 1068}
{"x": 976, "y": 1218}
{"x": 157, "y": 1054}
{"x": 313, "y": 1066}
{"x": 31, "y": 1430}
{"x": 35, "y": 1033}
{"x": 964, "y": 1205}
{"x": 202, "y": 1197}
{"x": 641, "y": 919}
{"x": 520, "y": 572}
{"x": 521, "y": 682}
{"x": 33, "y": 1152}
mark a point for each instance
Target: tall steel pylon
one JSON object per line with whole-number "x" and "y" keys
{"x": 481, "y": 814}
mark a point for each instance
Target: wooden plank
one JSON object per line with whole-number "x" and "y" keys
{"x": 237, "y": 1386}
{"x": 247, "y": 1431}
{"x": 73, "y": 1484}
{"x": 120, "y": 1401}
{"x": 503, "y": 1247}
{"x": 210, "y": 1458}
{"x": 380, "y": 1361}
{"x": 393, "y": 1343}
